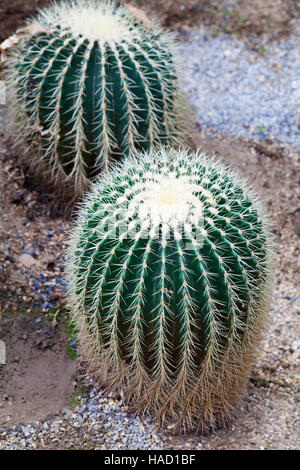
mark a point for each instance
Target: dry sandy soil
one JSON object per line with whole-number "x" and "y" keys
{"x": 268, "y": 414}
{"x": 37, "y": 377}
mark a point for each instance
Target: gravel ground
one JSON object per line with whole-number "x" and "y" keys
{"x": 244, "y": 92}
{"x": 97, "y": 423}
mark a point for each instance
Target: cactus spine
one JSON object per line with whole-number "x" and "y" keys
{"x": 169, "y": 280}
{"x": 91, "y": 83}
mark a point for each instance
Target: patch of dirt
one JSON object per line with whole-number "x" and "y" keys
{"x": 32, "y": 237}
{"x": 38, "y": 376}
{"x": 232, "y": 16}
{"x": 237, "y": 16}
{"x": 15, "y": 12}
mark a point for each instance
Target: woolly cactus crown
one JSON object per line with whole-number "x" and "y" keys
{"x": 89, "y": 81}
{"x": 169, "y": 284}
{"x": 104, "y": 21}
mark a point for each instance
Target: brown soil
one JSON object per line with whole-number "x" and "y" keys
{"x": 14, "y": 13}
{"x": 37, "y": 378}
{"x": 255, "y": 16}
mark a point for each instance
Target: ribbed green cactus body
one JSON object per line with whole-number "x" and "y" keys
{"x": 169, "y": 276}
{"x": 81, "y": 99}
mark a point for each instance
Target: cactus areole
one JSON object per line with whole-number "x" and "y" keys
{"x": 169, "y": 279}
{"x": 89, "y": 81}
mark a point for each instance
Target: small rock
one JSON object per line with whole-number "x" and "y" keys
{"x": 26, "y": 431}
{"x": 27, "y": 260}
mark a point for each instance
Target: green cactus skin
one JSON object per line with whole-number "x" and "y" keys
{"x": 95, "y": 85}
{"x": 169, "y": 283}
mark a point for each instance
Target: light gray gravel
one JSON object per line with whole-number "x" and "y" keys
{"x": 244, "y": 92}
{"x": 97, "y": 422}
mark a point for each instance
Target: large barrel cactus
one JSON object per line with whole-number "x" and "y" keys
{"x": 89, "y": 81}
{"x": 169, "y": 279}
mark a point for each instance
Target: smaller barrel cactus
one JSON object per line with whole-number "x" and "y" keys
{"x": 89, "y": 81}
{"x": 169, "y": 280}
